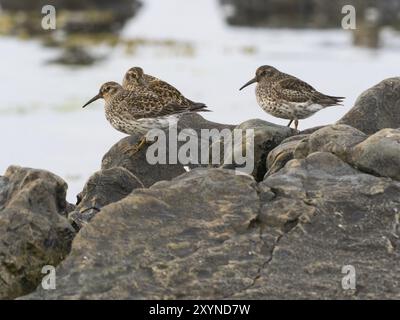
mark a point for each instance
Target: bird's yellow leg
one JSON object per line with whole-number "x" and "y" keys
{"x": 139, "y": 145}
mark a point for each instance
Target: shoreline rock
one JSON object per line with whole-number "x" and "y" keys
{"x": 34, "y": 231}
{"x": 329, "y": 199}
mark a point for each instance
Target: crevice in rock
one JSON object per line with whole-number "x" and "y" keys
{"x": 287, "y": 228}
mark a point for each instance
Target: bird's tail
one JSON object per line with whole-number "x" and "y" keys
{"x": 335, "y": 100}
{"x": 198, "y": 107}
{"x": 326, "y": 101}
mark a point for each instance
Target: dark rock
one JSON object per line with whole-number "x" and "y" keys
{"x": 379, "y": 154}
{"x": 120, "y": 7}
{"x": 211, "y": 234}
{"x": 94, "y": 16}
{"x": 186, "y": 238}
{"x": 197, "y": 122}
{"x": 279, "y": 156}
{"x": 311, "y": 130}
{"x": 336, "y": 139}
{"x": 305, "y": 13}
{"x": 376, "y": 108}
{"x": 122, "y": 154}
{"x": 102, "y": 188}
{"x": 266, "y": 137}
{"x": 330, "y": 216}
{"x": 75, "y": 56}
{"x": 33, "y": 229}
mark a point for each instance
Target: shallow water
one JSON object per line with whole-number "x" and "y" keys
{"x": 42, "y": 124}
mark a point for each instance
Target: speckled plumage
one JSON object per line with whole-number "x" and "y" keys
{"x": 136, "y": 80}
{"x": 287, "y": 97}
{"x": 137, "y": 112}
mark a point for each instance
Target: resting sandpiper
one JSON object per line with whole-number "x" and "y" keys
{"x": 137, "y": 112}
{"x": 136, "y": 80}
{"x": 287, "y": 97}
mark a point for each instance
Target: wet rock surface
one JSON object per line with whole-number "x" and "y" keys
{"x": 34, "y": 231}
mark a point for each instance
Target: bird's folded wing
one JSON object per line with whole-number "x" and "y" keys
{"x": 293, "y": 90}
{"x": 163, "y": 88}
{"x": 147, "y": 105}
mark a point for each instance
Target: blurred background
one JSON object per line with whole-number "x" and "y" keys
{"x": 206, "y": 48}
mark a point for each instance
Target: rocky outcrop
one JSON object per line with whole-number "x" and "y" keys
{"x": 337, "y": 139}
{"x": 377, "y": 154}
{"x": 211, "y": 234}
{"x": 305, "y": 13}
{"x": 255, "y": 147}
{"x": 376, "y": 108}
{"x": 266, "y": 137}
{"x": 327, "y": 210}
{"x": 33, "y": 229}
{"x": 102, "y": 188}
{"x": 279, "y": 156}
{"x": 94, "y": 16}
{"x": 187, "y": 238}
{"x": 83, "y": 24}
{"x": 330, "y": 216}
{"x": 124, "y": 154}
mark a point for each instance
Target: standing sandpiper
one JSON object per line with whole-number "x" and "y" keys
{"x": 136, "y": 80}
{"x": 135, "y": 112}
{"x": 287, "y": 97}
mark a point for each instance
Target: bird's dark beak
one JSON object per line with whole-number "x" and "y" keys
{"x": 96, "y": 97}
{"x": 249, "y": 83}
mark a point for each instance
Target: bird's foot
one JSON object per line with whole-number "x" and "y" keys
{"x": 296, "y": 124}
{"x": 142, "y": 143}
{"x": 137, "y": 147}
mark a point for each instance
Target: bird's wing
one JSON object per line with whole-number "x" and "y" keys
{"x": 146, "y": 105}
{"x": 169, "y": 92}
{"x": 294, "y": 90}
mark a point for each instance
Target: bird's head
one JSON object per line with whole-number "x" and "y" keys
{"x": 262, "y": 72}
{"x": 107, "y": 91}
{"x": 133, "y": 77}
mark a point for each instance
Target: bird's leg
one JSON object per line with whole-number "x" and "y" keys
{"x": 296, "y": 124}
{"x": 290, "y": 122}
{"x": 139, "y": 145}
